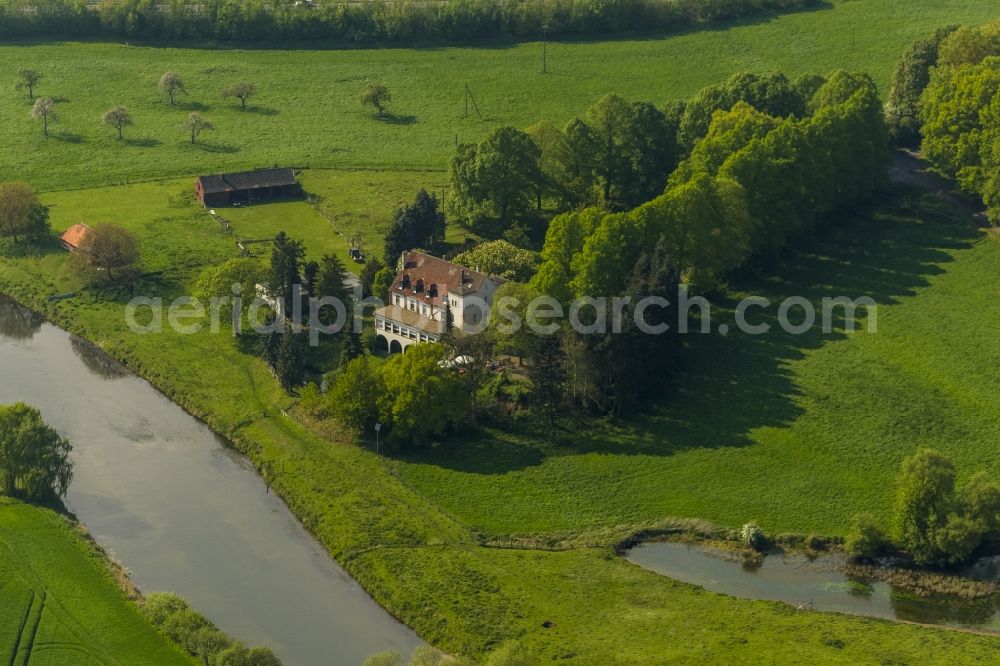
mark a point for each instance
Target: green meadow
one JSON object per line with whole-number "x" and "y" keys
{"x": 798, "y": 432}
{"x": 60, "y": 603}
{"x": 307, "y": 111}
{"x": 795, "y": 432}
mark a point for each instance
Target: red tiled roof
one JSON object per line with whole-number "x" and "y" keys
{"x": 421, "y": 272}
{"x": 74, "y": 235}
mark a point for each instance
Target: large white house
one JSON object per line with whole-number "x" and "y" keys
{"x": 427, "y": 292}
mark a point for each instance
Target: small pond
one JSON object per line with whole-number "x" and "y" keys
{"x": 797, "y": 580}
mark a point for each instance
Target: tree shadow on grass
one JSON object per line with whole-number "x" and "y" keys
{"x": 209, "y": 147}
{"x": 192, "y": 106}
{"x": 67, "y": 137}
{"x": 396, "y": 119}
{"x": 261, "y": 110}
{"x": 734, "y": 384}
{"x": 146, "y": 142}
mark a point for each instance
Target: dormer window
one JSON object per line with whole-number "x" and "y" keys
{"x": 420, "y": 285}
{"x": 405, "y": 282}
{"x": 433, "y": 291}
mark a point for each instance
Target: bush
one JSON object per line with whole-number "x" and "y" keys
{"x": 172, "y": 616}
{"x": 752, "y": 536}
{"x": 865, "y": 541}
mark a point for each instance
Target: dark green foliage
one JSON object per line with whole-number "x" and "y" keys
{"x": 865, "y": 541}
{"x": 417, "y": 225}
{"x": 548, "y": 374}
{"x": 34, "y": 458}
{"x": 933, "y": 523}
{"x": 621, "y": 151}
{"x": 286, "y": 262}
{"x": 494, "y": 182}
{"x": 288, "y": 363}
{"x": 368, "y": 273}
{"x": 772, "y": 94}
{"x": 961, "y": 114}
{"x": 198, "y": 636}
{"x": 352, "y": 348}
{"x": 449, "y": 21}
{"x": 330, "y": 284}
{"x": 911, "y": 76}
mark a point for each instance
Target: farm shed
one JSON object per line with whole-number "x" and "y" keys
{"x": 73, "y": 236}
{"x": 226, "y": 189}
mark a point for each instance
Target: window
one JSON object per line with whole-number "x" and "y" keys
{"x": 399, "y": 299}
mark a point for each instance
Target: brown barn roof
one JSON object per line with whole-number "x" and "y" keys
{"x": 247, "y": 180}
{"x": 73, "y": 236}
{"x": 421, "y": 271}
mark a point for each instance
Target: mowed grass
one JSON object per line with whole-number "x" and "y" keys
{"x": 58, "y": 602}
{"x": 798, "y": 432}
{"x": 307, "y": 110}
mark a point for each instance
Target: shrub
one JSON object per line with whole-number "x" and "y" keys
{"x": 752, "y": 536}
{"x": 865, "y": 540}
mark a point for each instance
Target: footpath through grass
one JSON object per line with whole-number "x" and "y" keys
{"x": 307, "y": 110}
{"x": 58, "y": 602}
{"x": 402, "y": 540}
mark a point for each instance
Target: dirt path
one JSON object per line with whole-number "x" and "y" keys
{"x": 908, "y": 169}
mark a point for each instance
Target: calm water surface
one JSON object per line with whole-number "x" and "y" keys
{"x": 796, "y": 580}
{"x": 184, "y": 513}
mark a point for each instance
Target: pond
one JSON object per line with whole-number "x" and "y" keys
{"x": 818, "y": 584}
{"x": 184, "y": 512}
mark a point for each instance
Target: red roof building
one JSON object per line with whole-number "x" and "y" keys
{"x": 73, "y": 236}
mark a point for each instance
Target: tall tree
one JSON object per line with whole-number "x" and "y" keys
{"x": 330, "y": 283}
{"x": 352, "y": 348}
{"x": 34, "y": 458}
{"x": 494, "y": 183}
{"x": 117, "y": 117}
{"x": 289, "y": 365}
{"x": 911, "y": 76}
{"x": 172, "y": 85}
{"x": 420, "y": 224}
{"x": 286, "y": 262}
{"x": 44, "y": 109}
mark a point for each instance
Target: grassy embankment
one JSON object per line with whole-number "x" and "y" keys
{"x": 58, "y": 602}
{"x": 778, "y": 429}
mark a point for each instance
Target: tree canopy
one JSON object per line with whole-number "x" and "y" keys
{"x": 34, "y": 458}
{"x": 493, "y": 184}
{"x": 111, "y": 250}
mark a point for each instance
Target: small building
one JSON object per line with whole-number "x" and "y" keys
{"x": 227, "y": 189}
{"x": 426, "y": 295}
{"x": 73, "y": 236}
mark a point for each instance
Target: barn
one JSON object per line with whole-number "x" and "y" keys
{"x": 226, "y": 189}
{"x": 73, "y": 237}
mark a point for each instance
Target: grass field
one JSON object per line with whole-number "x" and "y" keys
{"x": 307, "y": 111}
{"x": 59, "y": 603}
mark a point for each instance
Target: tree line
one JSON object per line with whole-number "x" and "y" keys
{"x": 383, "y": 21}
{"x": 946, "y": 96}
{"x": 749, "y": 186}
{"x": 617, "y": 155}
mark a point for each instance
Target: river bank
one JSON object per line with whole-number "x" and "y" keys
{"x": 184, "y": 512}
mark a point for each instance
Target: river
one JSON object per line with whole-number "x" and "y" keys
{"x": 182, "y": 511}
